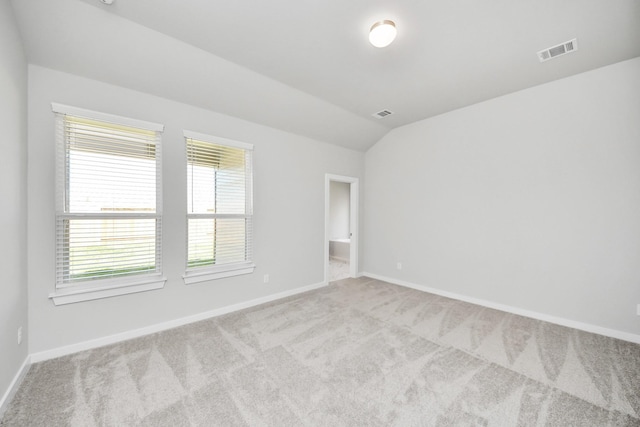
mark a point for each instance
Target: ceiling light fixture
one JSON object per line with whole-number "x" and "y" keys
{"x": 382, "y": 33}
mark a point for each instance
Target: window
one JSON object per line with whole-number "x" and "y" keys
{"x": 220, "y": 208}
{"x": 108, "y": 205}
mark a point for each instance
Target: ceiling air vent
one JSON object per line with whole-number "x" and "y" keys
{"x": 558, "y": 50}
{"x": 381, "y": 114}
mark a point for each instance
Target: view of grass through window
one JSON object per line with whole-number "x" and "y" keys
{"x": 109, "y": 227}
{"x": 217, "y": 222}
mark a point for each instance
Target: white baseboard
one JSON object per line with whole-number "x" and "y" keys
{"x": 112, "y": 339}
{"x": 15, "y": 385}
{"x": 613, "y": 333}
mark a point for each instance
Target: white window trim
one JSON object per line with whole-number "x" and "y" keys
{"x": 105, "y": 117}
{"x": 106, "y": 288}
{"x": 216, "y": 140}
{"x": 219, "y": 272}
{"x": 226, "y": 270}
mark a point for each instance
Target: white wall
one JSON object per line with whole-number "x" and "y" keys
{"x": 339, "y": 202}
{"x": 13, "y": 188}
{"x": 288, "y": 206}
{"x": 531, "y": 200}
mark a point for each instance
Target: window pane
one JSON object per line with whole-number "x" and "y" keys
{"x": 219, "y": 204}
{"x": 215, "y": 241}
{"x": 101, "y": 182}
{"x": 216, "y": 178}
{"x": 106, "y": 247}
{"x": 108, "y": 198}
{"x": 230, "y": 190}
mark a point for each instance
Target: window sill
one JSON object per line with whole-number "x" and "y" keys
{"x": 195, "y": 276}
{"x": 80, "y": 293}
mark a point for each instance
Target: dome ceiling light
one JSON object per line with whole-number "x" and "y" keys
{"x": 382, "y": 33}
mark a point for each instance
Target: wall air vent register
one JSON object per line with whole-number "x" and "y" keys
{"x": 558, "y": 50}
{"x": 381, "y": 114}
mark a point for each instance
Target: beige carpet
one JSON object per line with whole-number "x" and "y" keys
{"x": 357, "y": 353}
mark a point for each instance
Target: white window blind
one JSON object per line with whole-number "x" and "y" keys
{"x": 108, "y": 199}
{"x": 220, "y": 211}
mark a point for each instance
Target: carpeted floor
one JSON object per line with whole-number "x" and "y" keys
{"x": 357, "y": 353}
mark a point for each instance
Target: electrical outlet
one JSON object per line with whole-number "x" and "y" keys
{"x": 20, "y": 335}
{"x": 399, "y": 266}
{"x": 266, "y": 278}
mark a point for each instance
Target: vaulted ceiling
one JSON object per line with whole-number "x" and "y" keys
{"x": 307, "y": 67}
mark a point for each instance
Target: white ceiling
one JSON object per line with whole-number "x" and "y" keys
{"x": 306, "y": 66}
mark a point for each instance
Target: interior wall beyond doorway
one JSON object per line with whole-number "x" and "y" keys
{"x": 339, "y": 210}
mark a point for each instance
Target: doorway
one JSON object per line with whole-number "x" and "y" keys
{"x": 341, "y": 227}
